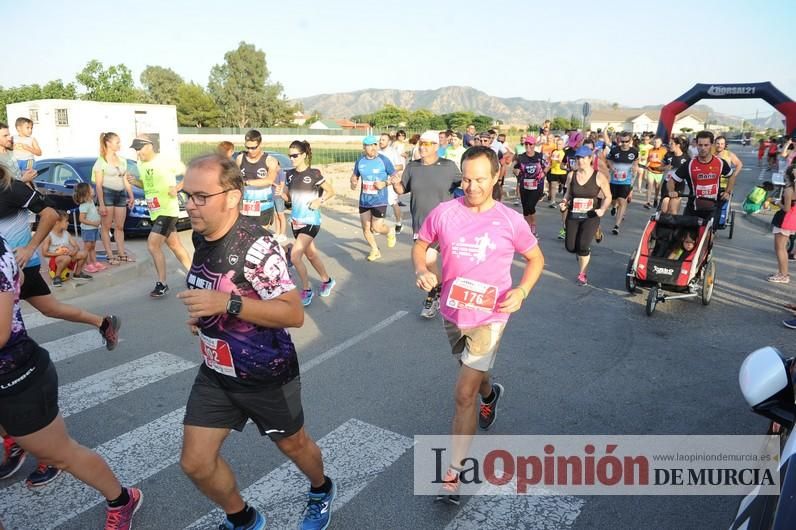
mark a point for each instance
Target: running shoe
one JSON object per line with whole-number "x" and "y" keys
{"x": 374, "y": 255}
{"x": 109, "y": 329}
{"x": 82, "y": 276}
{"x": 449, "y": 492}
{"x": 326, "y": 288}
{"x": 398, "y": 228}
{"x": 121, "y": 518}
{"x": 613, "y": 210}
{"x": 779, "y": 278}
{"x": 552, "y": 204}
{"x": 562, "y": 234}
{"x": 306, "y": 297}
{"x": 647, "y": 205}
{"x": 430, "y": 307}
{"x": 57, "y": 282}
{"x": 582, "y": 280}
{"x": 14, "y": 458}
{"x": 598, "y": 236}
{"x": 257, "y": 524}
{"x": 391, "y": 239}
{"x": 318, "y": 512}
{"x": 159, "y": 291}
{"x": 488, "y": 413}
{"x": 791, "y": 257}
{"x": 790, "y": 324}
{"x": 615, "y": 230}
{"x": 42, "y": 476}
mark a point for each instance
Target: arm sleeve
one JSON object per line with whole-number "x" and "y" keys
{"x": 389, "y": 168}
{"x": 428, "y": 232}
{"x": 524, "y": 239}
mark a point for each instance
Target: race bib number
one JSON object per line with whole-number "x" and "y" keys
{"x": 217, "y": 355}
{"x": 153, "y": 204}
{"x": 296, "y": 225}
{"x": 369, "y": 187}
{"x": 582, "y": 205}
{"x": 530, "y": 184}
{"x": 470, "y": 294}
{"x": 709, "y": 191}
{"x": 250, "y": 207}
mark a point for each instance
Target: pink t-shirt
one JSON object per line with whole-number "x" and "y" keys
{"x": 477, "y": 251}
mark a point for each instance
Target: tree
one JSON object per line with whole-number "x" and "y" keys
{"x": 458, "y": 121}
{"x": 195, "y": 107}
{"x": 312, "y": 118}
{"x": 240, "y": 88}
{"x": 615, "y": 106}
{"x": 389, "y": 116}
{"x": 560, "y": 123}
{"x": 482, "y": 122}
{"x": 686, "y": 130}
{"x": 52, "y": 90}
{"x": 420, "y": 119}
{"x": 161, "y": 84}
{"x": 114, "y": 84}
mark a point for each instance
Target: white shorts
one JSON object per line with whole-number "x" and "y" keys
{"x": 392, "y": 197}
{"x": 475, "y": 347}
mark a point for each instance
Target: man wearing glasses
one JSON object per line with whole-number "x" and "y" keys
{"x": 240, "y": 299}
{"x": 259, "y": 171}
{"x": 158, "y": 178}
{"x": 623, "y": 164}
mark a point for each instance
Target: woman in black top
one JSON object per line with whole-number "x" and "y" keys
{"x": 588, "y": 195}
{"x": 676, "y": 157}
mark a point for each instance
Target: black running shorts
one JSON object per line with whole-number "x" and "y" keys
{"x": 36, "y": 405}
{"x": 164, "y": 225}
{"x": 277, "y": 412}
{"x": 378, "y": 212}
{"x": 620, "y": 191}
{"x": 34, "y": 284}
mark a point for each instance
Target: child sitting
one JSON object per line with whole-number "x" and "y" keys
{"x": 89, "y": 225}
{"x": 686, "y": 244}
{"x": 63, "y": 252}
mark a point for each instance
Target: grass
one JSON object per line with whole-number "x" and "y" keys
{"x": 320, "y": 155}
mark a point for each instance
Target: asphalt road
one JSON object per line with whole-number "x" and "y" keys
{"x": 574, "y": 360}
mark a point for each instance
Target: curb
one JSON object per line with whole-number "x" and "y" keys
{"x": 115, "y": 275}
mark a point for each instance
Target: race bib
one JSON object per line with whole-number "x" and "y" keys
{"x": 530, "y": 184}
{"x": 217, "y": 355}
{"x": 582, "y": 205}
{"x": 250, "y": 207}
{"x": 153, "y": 204}
{"x": 369, "y": 187}
{"x": 709, "y": 191}
{"x": 470, "y": 294}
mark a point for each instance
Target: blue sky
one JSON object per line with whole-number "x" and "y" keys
{"x": 634, "y": 53}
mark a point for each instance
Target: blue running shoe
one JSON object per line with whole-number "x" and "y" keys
{"x": 326, "y": 287}
{"x": 257, "y": 524}
{"x": 42, "y": 475}
{"x": 318, "y": 512}
{"x": 306, "y": 297}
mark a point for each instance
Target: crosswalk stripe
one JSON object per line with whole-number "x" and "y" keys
{"x": 133, "y": 457}
{"x": 73, "y": 345}
{"x": 35, "y": 320}
{"x": 353, "y": 455}
{"x": 114, "y": 382}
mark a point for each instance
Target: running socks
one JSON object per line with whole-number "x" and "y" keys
{"x": 325, "y": 488}
{"x": 243, "y": 517}
{"x": 121, "y": 500}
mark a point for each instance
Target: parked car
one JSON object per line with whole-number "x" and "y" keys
{"x": 58, "y": 177}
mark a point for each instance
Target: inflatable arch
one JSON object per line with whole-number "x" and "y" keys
{"x": 765, "y": 91}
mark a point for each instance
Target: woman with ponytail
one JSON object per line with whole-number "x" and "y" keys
{"x": 114, "y": 195}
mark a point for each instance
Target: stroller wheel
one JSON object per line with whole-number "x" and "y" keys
{"x": 708, "y": 280}
{"x": 652, "y": 300}
{"x": 630, "y": 277}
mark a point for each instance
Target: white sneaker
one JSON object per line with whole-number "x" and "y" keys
{"x": 430, "y": 308}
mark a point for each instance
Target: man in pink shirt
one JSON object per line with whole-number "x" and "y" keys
{"x": 477, "y": 238}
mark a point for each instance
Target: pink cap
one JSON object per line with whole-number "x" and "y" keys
{"x": 530, "y": 139}
{"x": 574, "y": 139}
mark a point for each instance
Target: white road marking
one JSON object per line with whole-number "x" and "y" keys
{"x": 73, "y": 345}
{"x": 35, "y": 320}
{"x": 353, "y": 455}
{"x": 114, "y": 382}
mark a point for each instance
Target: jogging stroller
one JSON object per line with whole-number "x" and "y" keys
{"x": 663, "y": 263}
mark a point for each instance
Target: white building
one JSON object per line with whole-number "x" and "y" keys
{"x": 65, "y": 127}
{"x": 637, "y": 122}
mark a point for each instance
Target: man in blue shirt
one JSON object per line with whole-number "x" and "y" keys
{"x": 372, "y": 171}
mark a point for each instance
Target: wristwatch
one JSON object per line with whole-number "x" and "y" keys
{"x": 234, "y": 305}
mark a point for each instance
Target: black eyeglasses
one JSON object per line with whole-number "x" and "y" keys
{"x": 200, "y": 199}
{"x": 295, "y": 155}
{"x": 252, "y": 148}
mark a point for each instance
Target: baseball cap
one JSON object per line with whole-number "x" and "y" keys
{"x": 574, "y": 139}
{"x": 583, "y": 151}
{"x": 370, "y": 139}
{"x": 530, "y": 139}
{"x": 430, "y": 136}
{"x": 139, "y": 143}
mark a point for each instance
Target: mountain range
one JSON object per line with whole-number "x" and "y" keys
{"x": 514, "y": 110}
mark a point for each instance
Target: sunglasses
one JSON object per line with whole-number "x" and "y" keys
{"x": 624, "y": 141}
{"x": 427, "y": 144}
{"x": 295, "y": 155}
{"x": 252, "y": 147}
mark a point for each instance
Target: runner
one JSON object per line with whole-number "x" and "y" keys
{"x": 478, "y": 238}
{"x": 17, "y": 200}
{"x": 259, "y": 172}
{"x": 655, "y": 158}
{"x": 239, "y": 300}
{"x": 556, "y": 176}
{"x": 374, "y": 170}
{"x": 159, "y": 181}
{"x": 584, "y": 208}
{"x": 675, "y": 158}
{"x": 29, "y": 405}
{"x": 643, "y": 147}
{"x": 736, "y": 165}
{"x": 386, "y": 149}
{"x": 456, "y": 150}
{"x": 430, "y": 180}
{"x": 703, "y": 175}
{"x": 308, "y": 190}
{"x": 623, "y": 164}
{"x": 530, "y": 170}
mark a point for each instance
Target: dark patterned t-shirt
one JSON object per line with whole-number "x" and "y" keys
{"x": 9, "y": 283}
{"x": 249, "y": 262}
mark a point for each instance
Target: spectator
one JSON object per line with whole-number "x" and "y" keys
{"x": 456, "y": 149}
{"x": 25, "y": 145}
{"x": 114, "y": 195}
{"x": 65, "y": 256}
{"x": 226, "y": 149}
{"x": 469, "y": 136}
{"x": 89, "y": 225}
{"x": 781, "y": 229}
